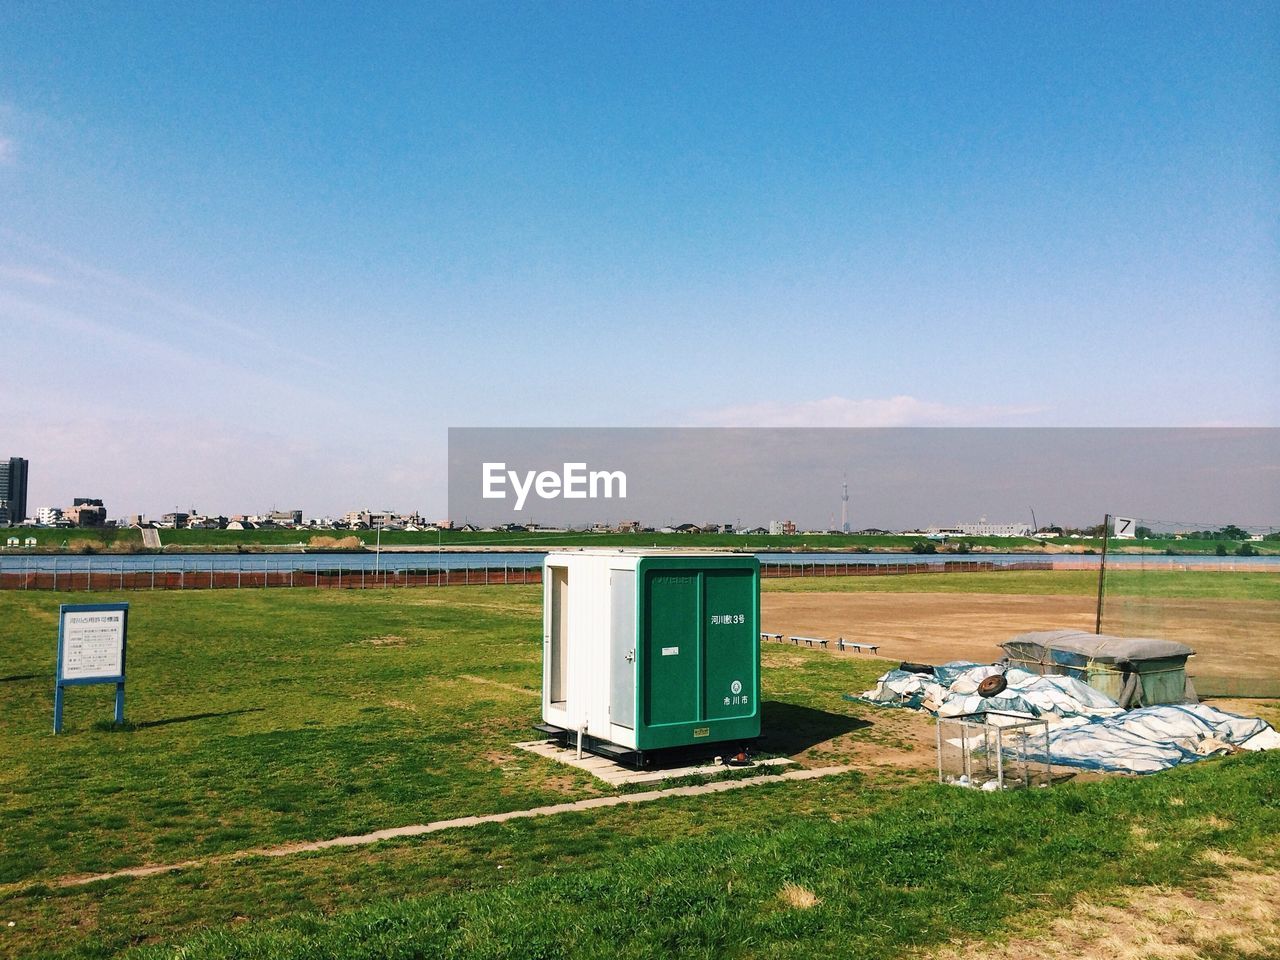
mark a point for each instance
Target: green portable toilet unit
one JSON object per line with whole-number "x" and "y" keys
{"x": 645, "y": 649}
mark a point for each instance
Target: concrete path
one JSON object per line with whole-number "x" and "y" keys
{"x": 395, "y": 833}
{"x": 615, "y": 774}
{"x": 151, "y": 538}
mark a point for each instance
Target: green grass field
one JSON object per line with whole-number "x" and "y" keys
{"x": 264, "y": 717}
{"x": 75, "y": 538}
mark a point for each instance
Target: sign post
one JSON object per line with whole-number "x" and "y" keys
{"x": 91, "y": 648}
{"x": 1102, "y": 570}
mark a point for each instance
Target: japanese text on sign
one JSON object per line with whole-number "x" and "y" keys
{"x": 92, "y": 645}
{"x": 728, "y": 618}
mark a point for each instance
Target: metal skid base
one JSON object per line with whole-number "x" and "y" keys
{"x": 642, "y": 759}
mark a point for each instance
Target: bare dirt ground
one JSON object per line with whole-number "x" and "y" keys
{"x": 1236, "y": 915}
{"x": 1231, "y": 638}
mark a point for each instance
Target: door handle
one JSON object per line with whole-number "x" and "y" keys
{"x": 631, "y": 656}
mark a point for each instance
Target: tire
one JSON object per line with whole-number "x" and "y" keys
{"x": 993, "y": 685}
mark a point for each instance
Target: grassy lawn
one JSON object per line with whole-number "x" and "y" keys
{"x": 264, "y": 717}
{"x": 1193, "y": 584}
{"x": 75, "y": 538}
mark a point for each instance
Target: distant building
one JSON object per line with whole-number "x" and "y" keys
{"x": 174, "y": 521}
{"x": 285, "y": 518}
{"x": 782, "y": 528}
{"x": 48, "y": 516}
{"x": 13, "y": 491}
{"x": 206, "y": 523}
{"x": 86, "y": 512}
{"x": 629, "y": 526}
{"x": 982, "y": 529}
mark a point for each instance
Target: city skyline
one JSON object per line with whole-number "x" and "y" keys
{"x": 906, "y": 478}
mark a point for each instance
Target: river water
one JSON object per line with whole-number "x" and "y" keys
{"x": 14, "y": 562}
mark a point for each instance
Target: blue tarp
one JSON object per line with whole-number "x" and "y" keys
{"x": 1087, "y": 729}
{"x": 1154, "y": 738}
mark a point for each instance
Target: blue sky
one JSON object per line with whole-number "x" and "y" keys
{"x": 256, "y": 255}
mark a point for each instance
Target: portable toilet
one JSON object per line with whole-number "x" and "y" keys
{"x": 645, "y": 650}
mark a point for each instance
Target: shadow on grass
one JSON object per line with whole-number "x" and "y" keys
{"x": 26, "y": 676}
{"x": 789, "y": 728}
{"x": 144, "y": 724}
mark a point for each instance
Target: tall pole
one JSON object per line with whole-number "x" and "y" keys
{"x": 377, "y": 554}
{"x": 1102, "y": 570}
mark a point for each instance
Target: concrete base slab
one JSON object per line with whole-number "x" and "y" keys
{"x": 616, "y": 774}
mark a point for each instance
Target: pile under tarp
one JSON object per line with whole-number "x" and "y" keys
{"x": 1136, "y": 671}
{"x": 1154, "y": 738}
{"x": 1086, "y": 728}
{"x": 1076, "y": 648}
{"x": 952, "y": 691}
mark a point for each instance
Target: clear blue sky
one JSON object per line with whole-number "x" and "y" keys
{"x": 256, "y": 254}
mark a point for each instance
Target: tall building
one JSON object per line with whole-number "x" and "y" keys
{"x": 86, "y": 512}
{"x": 13, "y": 491}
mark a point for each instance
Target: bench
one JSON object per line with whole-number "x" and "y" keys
{"x": 810, "y": 641}
{"x": 842, "y": 644}
{"x": 770, "y": 636}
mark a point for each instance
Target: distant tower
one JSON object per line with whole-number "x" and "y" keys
{"x": 844, "y": 505}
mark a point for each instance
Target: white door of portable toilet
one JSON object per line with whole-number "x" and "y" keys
{"x": 589, "y": 623}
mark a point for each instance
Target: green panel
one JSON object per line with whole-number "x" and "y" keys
{"x": 670, "y": 677}
{"x": 682, "y": 693}
{"x": 1163, "y": 681}
{"x": 731, "y": 644}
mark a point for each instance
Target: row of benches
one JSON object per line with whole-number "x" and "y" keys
{"x": 841, "y": 643}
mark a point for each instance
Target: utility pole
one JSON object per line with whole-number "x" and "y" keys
{"x": 1102, "y": 570}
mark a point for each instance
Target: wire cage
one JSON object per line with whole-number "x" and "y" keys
{"x": 993, "y": 751}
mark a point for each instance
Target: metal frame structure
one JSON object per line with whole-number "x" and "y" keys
{"x": 986, "y": 741}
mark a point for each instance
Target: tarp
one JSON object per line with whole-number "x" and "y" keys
{"x": 1086, "y": 728}
{"x": 1154, "y": 738}
{"x": 952, "y": 690}
{"x": 1039, "y": 646}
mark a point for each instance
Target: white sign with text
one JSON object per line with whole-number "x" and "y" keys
{"x": 92, "y": 644}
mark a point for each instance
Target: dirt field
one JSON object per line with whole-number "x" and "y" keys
{"x": 1231, "y": 638}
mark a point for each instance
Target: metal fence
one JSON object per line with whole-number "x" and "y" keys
{"x": 87, "y": 573}
{"x": 104, "y": 574}
{"x": 869, "y": 569}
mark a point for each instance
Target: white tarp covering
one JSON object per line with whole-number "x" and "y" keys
{"x": 953, "y": 691}
{"x": 1155, "y": 738}
{"x": 1086, "y": 728}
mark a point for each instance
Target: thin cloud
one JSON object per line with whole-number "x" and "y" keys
{"x": 8, "y": 151}
{"x": 117, "y": 288}
{"x": 26, "y": 275}
{"x": 836, "y": 411}
{"x": 138, "y": 345}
